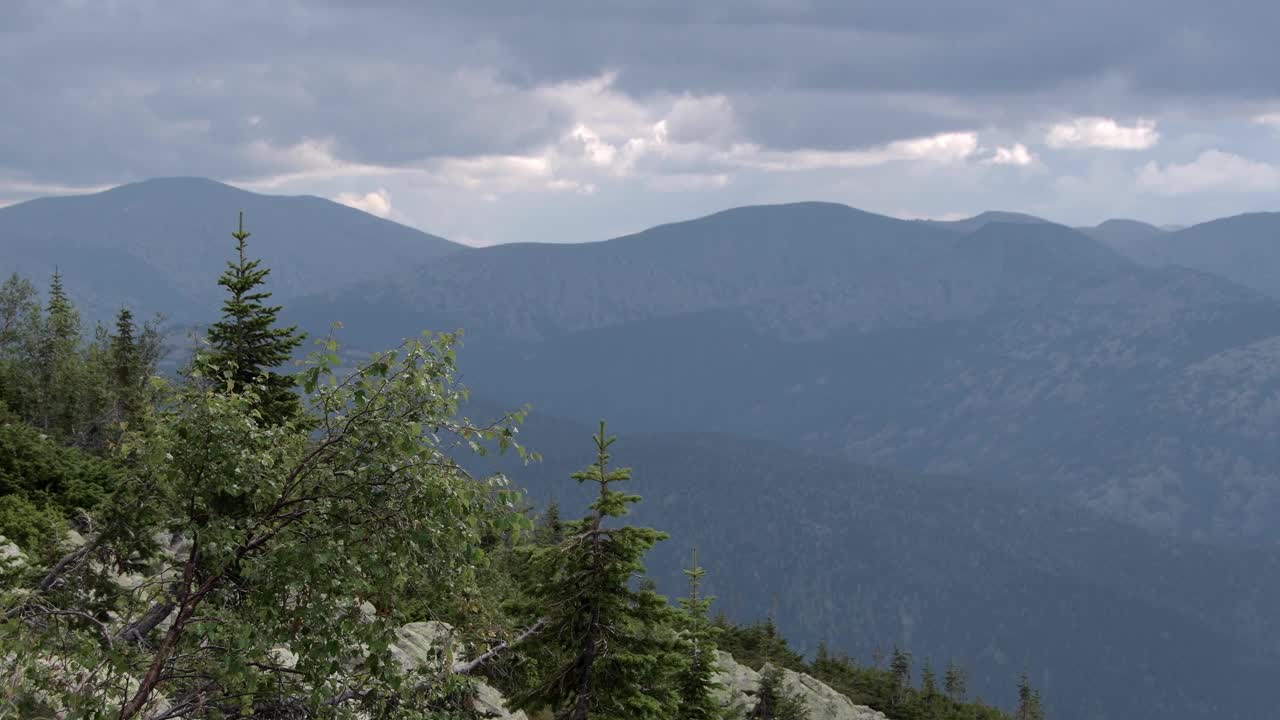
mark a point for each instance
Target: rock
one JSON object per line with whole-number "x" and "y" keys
{"x": 433, "y": 645}
{"x": 11, "y": 556}
{"x": 740, "y": 684}
{"x": 424, "y": 645}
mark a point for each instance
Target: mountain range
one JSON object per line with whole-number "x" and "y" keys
{"x": 1028, "y": 353}
{"x": 999, "y": 440}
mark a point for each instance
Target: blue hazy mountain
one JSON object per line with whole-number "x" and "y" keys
{"x": 160, "y": 244}
{"x": 1027, "y": 353}
{"x": 1243, "y": 248}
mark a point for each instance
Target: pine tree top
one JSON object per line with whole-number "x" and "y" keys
{"x": 247, "y": 344}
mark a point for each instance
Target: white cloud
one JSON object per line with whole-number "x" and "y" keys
{"x": 1211, "y": 170}
{"x": 946, "y": 147}
{"x": 1017, "y": 154}
{"x": 942, "y": 148}
{"x": 1101, "y": 132}
{"x": 377, "y": 202}
{"x": 1272, "y": 119}
{"x": 19, "y": 187}
{"x": 596, "y": 150}
{"x": 312, "y": 159}
{"x": 682, "y": 182}
{"x": 666, "y": 142}
{"x": 471, "y": 241}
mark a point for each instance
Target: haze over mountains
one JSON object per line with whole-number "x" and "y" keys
{"x": 901, "y": 420}
{"x": 155, "y": 243}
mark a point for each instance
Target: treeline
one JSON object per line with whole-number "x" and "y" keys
{"x": 62, "y": 391}
{"x": 889, "y": 687}
{"x": 242, "y": 541}
{"x": 82, "y": 390}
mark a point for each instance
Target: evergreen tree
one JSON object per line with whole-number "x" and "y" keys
{"x": 900, "y": 667}
{"x": 19, "y": 329}
{"x": 550, "y": 530}
{"x": 930, "y": 700}
{"x": 604, "y": 659}
{"x": 773, "y": 702}
{"x": 955, "y": 682}
{"x": 1029, "y": 707}
{"x": 695, "y": 679}
{"x": 56, "y": 364}
{"x": 128, "y": 372}
{"x": 247, "y": 345}
{"x": 928, "y": 681}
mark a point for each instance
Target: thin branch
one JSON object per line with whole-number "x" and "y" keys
{"x": 466, "y": 668}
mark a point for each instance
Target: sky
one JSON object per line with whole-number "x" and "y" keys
{"x": 489, "y": 122}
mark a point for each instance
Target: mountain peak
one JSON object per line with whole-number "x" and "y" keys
{"x": 988, "y": 217}
{"x": 165, "y": 239}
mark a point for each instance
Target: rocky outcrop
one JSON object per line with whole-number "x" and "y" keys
{"x": 432, "y": 645}
{"x": 739, "y": 684}
{"x": 12, "y": 558}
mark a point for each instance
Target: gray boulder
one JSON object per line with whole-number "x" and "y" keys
{"x": 434, "y": 645}
{"x": 740, "y": 684}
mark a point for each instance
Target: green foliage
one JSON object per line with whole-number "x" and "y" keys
{"x": 756, "y": 644}
{"x": 132, "y": 355}
{"x": 80, "y": 390}
{"x": 888, "y": 690}
{"x": 43, "y": 484}
{"x": 956, "y": 682}
{"x": 773, "y": 702}
{"x": 1029, "y": 707}
{"x": 607, "y": 650}
{"x": 247, "y": 344}
{"x": 694, "y": 680}
{"x": 248, "y": 537}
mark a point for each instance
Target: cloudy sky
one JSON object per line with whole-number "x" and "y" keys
{"x": 569, "y": 121}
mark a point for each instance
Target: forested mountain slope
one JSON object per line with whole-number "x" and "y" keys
{"x": 866, "y": 559}
{"x": 1027, "y": 353}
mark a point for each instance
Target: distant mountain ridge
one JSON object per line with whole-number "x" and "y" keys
{"x": 1242, "y": 248}
{"x": 160, "y": 244}
{"x": 1027, "y": 352}
{"x": 801, "y": 269}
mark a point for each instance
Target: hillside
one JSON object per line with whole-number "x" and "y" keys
{"x": 1121, "y": 234}
{"x": 1242, "y": 249}
{"x": 864, "y": 559}
{"x": 160, "y": 244}
{"x": 1026, "y": 353}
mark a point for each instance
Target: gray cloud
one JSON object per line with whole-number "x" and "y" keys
{"x": 453, "y": 106}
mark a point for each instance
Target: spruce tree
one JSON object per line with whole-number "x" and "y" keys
{"x": 900, "y": 666}
{"x": 773, "y": 702}
{"x": 57, "y": 362}
{"x": 955, "y": 682}
{"x": 928, "y": 681}
{"x": 1029, "y": 707}
{"x": 601, "y": 644}
{"x": 930, "y": 700}
{"x": 550, "y": 530}
{"x": 695, "y": 680}
{"x": 247, "y": 345}
{"x": 128, "y": 372}
{"x": 19, "y": 332}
